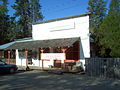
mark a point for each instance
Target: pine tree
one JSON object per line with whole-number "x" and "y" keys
{"x": 97, "y": 8}
{"x": 4, "y": 20}
{"x": 98, "y": 12}
{"x": 22, "y": 13}
{"x": 109, "y": 32}
{"x": 36, "y": 15}
{"x": 13, "y": 31}
{"x": 27, "y": 11}
{"x": 114, "y": 7}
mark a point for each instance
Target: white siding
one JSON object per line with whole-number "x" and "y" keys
{"x": 67, "y": 28}
{"x": 76, "y": 27}
{"x": 20, "y": 61}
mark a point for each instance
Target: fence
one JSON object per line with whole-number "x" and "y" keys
{"x": 103, "y": 67}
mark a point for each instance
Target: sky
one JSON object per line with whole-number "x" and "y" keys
{"x": 52, "y": 9}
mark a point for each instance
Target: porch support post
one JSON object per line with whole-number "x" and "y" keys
{"x": 79, "y": 50}
{"x": 26, "y": 53}
{"x": 8, "y": 56}
{"x": 42, "y": 59}
{"x": 63, "y": 50}
{"x": 42, "y": 65}
{"x": 0, "y": 55}
{"x": 39, "y": 56}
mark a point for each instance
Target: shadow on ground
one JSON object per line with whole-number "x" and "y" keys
{"x": 39, "y": 80}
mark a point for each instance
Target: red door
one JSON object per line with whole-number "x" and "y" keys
{"x": 57, "y": 63}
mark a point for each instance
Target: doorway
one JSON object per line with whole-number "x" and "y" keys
{"x": 57, "y": 63}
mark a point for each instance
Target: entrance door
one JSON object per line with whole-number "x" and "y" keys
{"x": 57, "y": 63}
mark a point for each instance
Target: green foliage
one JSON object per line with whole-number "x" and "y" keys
{"x": 114, "y": 7}
{"x": 22, "y": 8}
{"x": 3, "y": 10}
{"x": 18, "y": 26}
{"x": 4, "y": 20}
{"x": 109, "y": 31}
{"x": 13, "y": 31}
{"x": 98, "y": 12}
{"x": 27, "y": 11}
{"x": 36, "y": 15}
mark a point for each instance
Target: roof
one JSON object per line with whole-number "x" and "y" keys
{"x": 6, "y": 45}
{"x": 24, "y": 39}
{"x": 63, "y": 18}
{"x": 35, "y": 44}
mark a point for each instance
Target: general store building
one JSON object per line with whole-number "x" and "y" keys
{"x": 53, "y": 42}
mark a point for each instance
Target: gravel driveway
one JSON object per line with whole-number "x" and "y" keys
{"x": 38, "y": 80}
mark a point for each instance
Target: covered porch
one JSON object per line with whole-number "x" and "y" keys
{"x": 43, "y": 53}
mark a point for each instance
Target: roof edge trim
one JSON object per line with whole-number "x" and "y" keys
{"x": 63, "y": 18}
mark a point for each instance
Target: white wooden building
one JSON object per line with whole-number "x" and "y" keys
{"x": 53, "y": 41}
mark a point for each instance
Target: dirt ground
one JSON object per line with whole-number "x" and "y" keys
{"x": 39, "y": 80}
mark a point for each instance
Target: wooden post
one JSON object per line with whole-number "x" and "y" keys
{"x": 1, "y": 54}
{"x": 8, "y": 56}
{"x": 41, "y": 59}
{"x": 38, "y": 56}
{"x": 79, "y": 50}
{"x": 26, "y": 53}
{"x": 42, "y": 65}
{"x": 63, "y": 50}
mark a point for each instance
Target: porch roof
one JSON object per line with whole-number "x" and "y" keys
{"x": 35, "y": 44}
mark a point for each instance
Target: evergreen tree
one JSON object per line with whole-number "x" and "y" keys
{"x": 36, "y": 15}
{"x": 27, "y": 11}
{"x": 114, "y": 7}
{"x": 109, "y": 31}
{"x": 98, "y": 12}
{"x": 23, "y": 13}
{"x": 13, "y": 31}
{"x": 97, "y": 8}
{"x": 4, "y": 20}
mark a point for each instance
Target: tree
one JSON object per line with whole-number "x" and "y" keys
{"x": 13, "y": 31}
{"x": 22, "y": 13}
{"x": 98, "y": 12}
{"x": 97, "y": 8}
{"x": 36, "y": 15}
{"x": 9, "y": 28}
{"x": 4, "y": 20}
{"x": 27, "y": 11}
{"x": 109, "y": 31}
{"x": 114, "y": 7}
